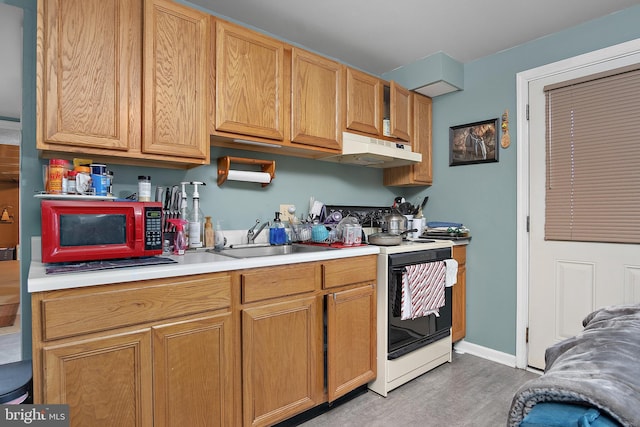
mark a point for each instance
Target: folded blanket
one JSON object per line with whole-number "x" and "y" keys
{"x": 600, "y": 367}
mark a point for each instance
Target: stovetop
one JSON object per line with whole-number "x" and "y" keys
{"x": 415, "y": 245}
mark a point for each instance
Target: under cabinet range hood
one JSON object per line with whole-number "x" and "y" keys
{"x": 372, "y": 152}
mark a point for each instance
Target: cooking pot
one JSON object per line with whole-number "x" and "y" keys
{"x": 394, "y": 223}
{"x": 387, "y": 239}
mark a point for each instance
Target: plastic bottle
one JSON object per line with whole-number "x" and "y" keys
{"x": 196, "y": 217}
{"x": 179, "y": 239}
{"x": 144, "y": 188}
{"x": 277, "y": 233}
{"x": 208, "y": 233}
{"x": 218, "y": 238}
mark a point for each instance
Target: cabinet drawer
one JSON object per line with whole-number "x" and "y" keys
{"x": 342, "y": 272}
{"x": 274, "y": 282}
{"x": 84, "y": 310}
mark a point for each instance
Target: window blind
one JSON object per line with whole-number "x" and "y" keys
{"x": 593, "y": 158}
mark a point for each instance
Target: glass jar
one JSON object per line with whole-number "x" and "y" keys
{"x": 71, "y": 182}
{"x": 144, "y": 188}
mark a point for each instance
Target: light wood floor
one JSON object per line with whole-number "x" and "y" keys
{"x": 470, "y": 391}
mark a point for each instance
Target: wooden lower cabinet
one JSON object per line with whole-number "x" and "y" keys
{"x": 459, "y": 295}
{"x": 221, "y": 349}
{"x": 134, "y": 367}
{"x": 283, "y": 341}
{"x": 192, "y": 374}
{"x": 106, "y": 381}
{"x": 282, "y": 360}
{"x": 351, "y": 339}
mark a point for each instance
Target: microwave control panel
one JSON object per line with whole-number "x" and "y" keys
{"x": 152, "y": 228}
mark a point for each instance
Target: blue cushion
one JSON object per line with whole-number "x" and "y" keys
{"x": 566, "y": 415}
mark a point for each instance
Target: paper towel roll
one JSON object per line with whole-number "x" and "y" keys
{"x": 248, "y": 176}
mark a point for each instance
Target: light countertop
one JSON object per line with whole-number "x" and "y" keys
{"x": 190, "y": 263}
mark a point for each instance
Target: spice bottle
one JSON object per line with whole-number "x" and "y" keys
{"x": 144, "y": 188}
{"x": 71, "y": 182}
{"x": 57, "y": 171}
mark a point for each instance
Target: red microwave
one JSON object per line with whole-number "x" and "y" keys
{"x": 81, "y": 230}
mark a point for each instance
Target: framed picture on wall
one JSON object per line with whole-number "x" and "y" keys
{"x": 473, "y": 143}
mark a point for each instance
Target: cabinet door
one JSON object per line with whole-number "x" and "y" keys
{"x": 419, "y": 173}
{"x": 400, "y": 111}
{"x": 316, "y": 88}
{"x": 363, "y": 102}
{"x": 459, "y": 296}
{"x": 176, "y": 53}
{"x": 193, "y": 373}
{"x": 351, "y": 340}
{"x": 106, "y": 381}
{"x": 249, "y": 82}
{"x": 89, "y": 74}
{"x": 282, "y": 360}
{"x": 421, "y": 138}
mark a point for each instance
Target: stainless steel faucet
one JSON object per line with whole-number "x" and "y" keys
{"x": 251, "y": 235}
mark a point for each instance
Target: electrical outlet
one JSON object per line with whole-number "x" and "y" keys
{"x": 284, "y": 213}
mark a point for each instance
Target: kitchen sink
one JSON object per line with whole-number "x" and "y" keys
{"x": 261, "y": 251}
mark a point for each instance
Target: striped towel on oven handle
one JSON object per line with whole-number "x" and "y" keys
{"x": 423, "y": 289}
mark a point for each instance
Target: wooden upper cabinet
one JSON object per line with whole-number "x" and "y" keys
{"x": 400, "y": 109}
{"x": 88, "y": 74}
{"x": 176, "y": 60}
{"x": 422, "y": 138}
{"x": 363, "y": 102}
{"x": 316, "y": 93}
{"x": 249, "y": 83}
{"x": 421, "y": 142}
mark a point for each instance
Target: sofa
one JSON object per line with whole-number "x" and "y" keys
{"x": 591, "y": 379}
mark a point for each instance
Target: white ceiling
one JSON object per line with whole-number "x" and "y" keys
{"x": 380, "y": 35}
{"x": 374, "y": 35}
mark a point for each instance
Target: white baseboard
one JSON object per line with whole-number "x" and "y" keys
{"x": 463, "y": 346}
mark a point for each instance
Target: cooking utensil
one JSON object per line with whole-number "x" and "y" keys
{"x": 387, "y": 239}
{"x": 424, "y": 202}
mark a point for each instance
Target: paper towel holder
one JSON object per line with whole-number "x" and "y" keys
{"x": 224, "y": 166}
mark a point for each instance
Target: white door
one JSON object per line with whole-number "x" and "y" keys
{"x": 568, "y": 280}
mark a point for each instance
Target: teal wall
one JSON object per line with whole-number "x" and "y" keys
{"x": 484, "y": 196}
{"x": 481, "y": 196}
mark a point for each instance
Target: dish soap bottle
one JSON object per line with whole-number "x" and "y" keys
{"x": 179, "y": 240}
{"x": 277, "y": 233}
{"x": 208, "y": 232}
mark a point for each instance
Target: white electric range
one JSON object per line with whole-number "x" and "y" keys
{"x": 407, "y": 349}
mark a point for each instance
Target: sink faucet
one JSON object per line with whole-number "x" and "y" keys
{"x": 251, "y": 235}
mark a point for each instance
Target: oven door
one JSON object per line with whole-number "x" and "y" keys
{"x": 405, "y": 336}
